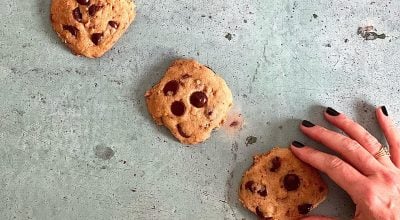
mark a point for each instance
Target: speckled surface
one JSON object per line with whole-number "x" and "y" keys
{"x": 76, "y": 141}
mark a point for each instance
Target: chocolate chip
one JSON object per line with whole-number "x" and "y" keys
{"x": 276, "y": 164}
{"x": 93, "y": 9}
{"x": 321, "y": 189}
{"x": 249, "y": 186}
{"x": 83, "y": 2}
{"x": 255, "y": 187}
{"x": 291, "y": 182}
{"x": 263, "y": 192}
{"x": 113, "y": 24}
{"x": 171, "y": 88}
{"x": 304, "y": 208}
{"x": 261, "y": 214}
{"x": 185, "y": 76}
{"x": 181, "y": 132}
{"x": 198, "y": 99}
{"x": 96, "y": 38}
{"x": 73, "y": 30}
{"x": 77, "y": 14}
{"x": 178, "y": 108}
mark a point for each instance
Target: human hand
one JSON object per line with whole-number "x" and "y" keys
{"x": 372, "y": 181}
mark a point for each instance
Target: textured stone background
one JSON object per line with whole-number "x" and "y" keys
{"x": 76, "y": 141}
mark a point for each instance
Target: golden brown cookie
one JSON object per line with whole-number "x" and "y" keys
{"x": 279, "y": 186}
{"x": 190, "y": 100}
{"x": 91, "y": 27}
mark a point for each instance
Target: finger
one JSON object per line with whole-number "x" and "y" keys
{"x": 391, "y": 133}
{"x": 317, "y": 218}
{"x": 356, "y": 132}
{"x": 348, "y": 148}
{"x": 339, "y": 171}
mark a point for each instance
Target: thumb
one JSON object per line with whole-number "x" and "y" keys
{"x": 317, "y": 218}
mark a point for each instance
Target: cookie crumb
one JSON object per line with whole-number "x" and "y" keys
{"x": 369, "y": 33}
{"x": 228, "y": 36}
{"x": 250, "y": 140}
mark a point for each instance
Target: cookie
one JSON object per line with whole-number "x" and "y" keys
{"x": 280, "y": 186}
{"x": 91, "y": 27}
{"x": 190, "y": 100}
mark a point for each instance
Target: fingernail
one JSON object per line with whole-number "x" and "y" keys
{"x": 384, "y": 111}
{"x": 297, "y": 144}
{"x": 307, "y": 124}
{"x": 332, "y": 112}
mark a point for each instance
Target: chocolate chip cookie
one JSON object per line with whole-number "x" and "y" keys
{"x": 91, "y": 27}
{"x": 190, "y": 100}
{"x": 280, "y": 186}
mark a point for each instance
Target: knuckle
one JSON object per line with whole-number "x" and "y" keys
{"x": 390, "y": 178}
{"x": 351, "y": 145}
{"x": 335, "y": 163}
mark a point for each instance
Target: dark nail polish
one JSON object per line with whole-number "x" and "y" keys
{"x": 307, "y": 124}
{"x": 384, "y": 111}
{"x": 297, "y": 144}
{"x": 332, "y": 112}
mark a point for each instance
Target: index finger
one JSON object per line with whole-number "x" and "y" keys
{"x": 348, "y": 148}
{"x": 342, "y": 173}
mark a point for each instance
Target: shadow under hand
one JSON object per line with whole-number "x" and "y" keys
{"x": 365, "y": 116}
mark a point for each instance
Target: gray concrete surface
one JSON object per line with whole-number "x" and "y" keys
{"x": 76, "y": 141}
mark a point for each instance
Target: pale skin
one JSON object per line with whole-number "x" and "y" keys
{"x": 372, "y": 183}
